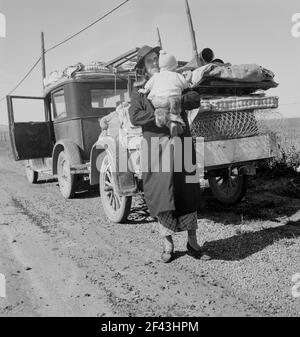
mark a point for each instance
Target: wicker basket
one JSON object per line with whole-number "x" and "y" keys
{"x": 235, "y": 124}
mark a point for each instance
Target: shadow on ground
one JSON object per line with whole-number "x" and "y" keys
{"x": 264, "y": 201}
{"x": 241, "y": 246}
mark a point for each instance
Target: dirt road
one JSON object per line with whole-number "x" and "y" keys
{"x": 64, "y": 258}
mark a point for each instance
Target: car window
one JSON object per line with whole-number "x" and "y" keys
{"x": 60, "y": 110}
{"x": 108, "y": 98}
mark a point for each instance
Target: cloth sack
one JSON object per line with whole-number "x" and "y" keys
{"x": 241, "y": 73}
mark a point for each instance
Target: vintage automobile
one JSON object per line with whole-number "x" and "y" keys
{"x": 63, "y": 144}
{"x": 67, "y": 143}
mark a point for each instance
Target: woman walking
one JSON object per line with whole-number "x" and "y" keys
{"x": 168, "y": 197}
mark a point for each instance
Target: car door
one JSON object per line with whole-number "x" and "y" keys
{"x": 34, "y": 138}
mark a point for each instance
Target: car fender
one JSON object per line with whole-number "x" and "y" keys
{"x": 104, "y": 143}
{"x": 124, "y": 182}
{"x": 72, "y": 151}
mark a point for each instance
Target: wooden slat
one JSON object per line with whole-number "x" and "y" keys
{"x": 129, "y": 54}
{"x": 237, "y": 150}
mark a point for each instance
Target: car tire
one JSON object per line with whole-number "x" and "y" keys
{"x": 32, "y": 176}
{"x": 116, "y": 207}
{"x": 67, "y": 181}
{"x": 229, "y": 189}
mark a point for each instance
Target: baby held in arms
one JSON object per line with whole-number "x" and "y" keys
{"x": 165, "y": 91}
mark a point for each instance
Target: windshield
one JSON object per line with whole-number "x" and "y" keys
{"x": 108, "y": 98}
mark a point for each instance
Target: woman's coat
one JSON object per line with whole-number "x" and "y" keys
{"x": 165, "y": 191}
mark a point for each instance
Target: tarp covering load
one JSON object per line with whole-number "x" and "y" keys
{"x": 235, "y": 73}
{"x": 225, "y": 79}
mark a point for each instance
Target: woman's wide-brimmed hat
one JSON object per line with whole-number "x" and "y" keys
{"x": 143, "y": 52}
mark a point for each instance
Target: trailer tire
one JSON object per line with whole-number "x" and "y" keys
{"x": 228, "y": 190}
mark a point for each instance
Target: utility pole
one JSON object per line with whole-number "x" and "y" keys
{"x": 43, "y": 57}
{"x": 43, "y": 52}
{"x": 192, "y": 32}
{"x": 159, "y": 38}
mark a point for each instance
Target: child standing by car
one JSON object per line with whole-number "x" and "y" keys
{"x": 165, "y": 91}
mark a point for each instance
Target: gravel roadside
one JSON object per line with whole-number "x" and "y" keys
{"x": 65, "y": 258}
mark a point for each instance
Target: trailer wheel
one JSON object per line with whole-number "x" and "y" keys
{"x": 229, "y": 189}
{"x": 67, "y": 181}
{"x": 116, "y": 207}
{"x": 32, "y": 176}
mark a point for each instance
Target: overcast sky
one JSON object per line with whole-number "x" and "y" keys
{"x": 239, "y": 31}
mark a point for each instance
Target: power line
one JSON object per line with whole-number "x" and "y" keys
{"x": 87, "y": 27}
{"x": 62, "y": 42}
{"x": 76, "y": 34}
{"x": 23, "y": 79}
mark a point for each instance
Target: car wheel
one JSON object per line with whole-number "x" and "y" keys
{"x": 116, "y": 207}
{"x": 67, "y": 181}
{"x": 32, "y": 176}
{"x": 229, "y": 189}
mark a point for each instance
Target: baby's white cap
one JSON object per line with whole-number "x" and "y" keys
{"x": 167, "y": 61}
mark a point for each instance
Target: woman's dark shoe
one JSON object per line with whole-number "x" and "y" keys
{"x": 197, "y": 254}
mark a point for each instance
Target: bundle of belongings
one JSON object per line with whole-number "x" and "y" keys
{"x": 118, "y": 123}
{"x": 231, "y": 96}
{"x": 238, "y": 79}
{"x": 226, "y": 87}
{"x": 75, "y": 71}
{"x": 236, "y": 73}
